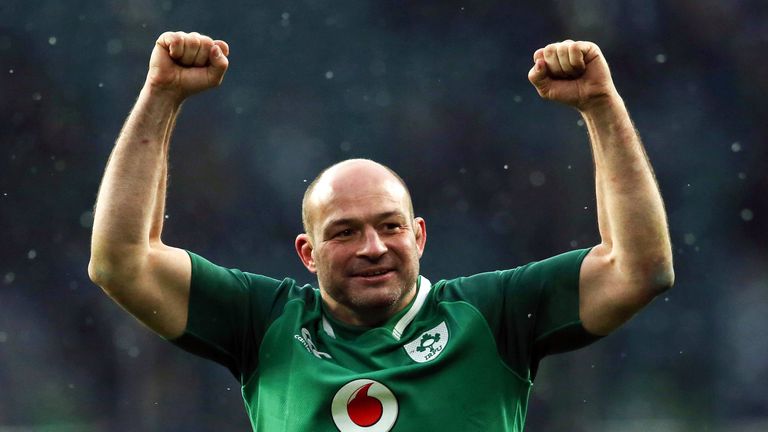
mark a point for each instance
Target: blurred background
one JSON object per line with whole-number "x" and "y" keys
{"x": 438, "y": 91}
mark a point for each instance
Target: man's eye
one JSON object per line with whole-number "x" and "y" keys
{"x": 344, "y": 233}
{"x": 392, "y": 226}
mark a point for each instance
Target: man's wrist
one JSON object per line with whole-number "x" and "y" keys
{"x": 603, "y": 104}
{"x": 162, "y": 94}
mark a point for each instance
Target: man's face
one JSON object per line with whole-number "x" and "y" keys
{"x": 366, "y": 245}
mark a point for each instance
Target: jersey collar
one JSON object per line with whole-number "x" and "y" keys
{"x": 423, "y": 287}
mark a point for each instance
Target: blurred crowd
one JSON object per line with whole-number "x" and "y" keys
{"x": 438, "y": 91}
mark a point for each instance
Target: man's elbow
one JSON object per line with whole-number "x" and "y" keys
{"x": 110, "y": 272}
{"x": 97, "y": 272}
{"x": 648, "y": 276}
{"x": 660, "y": 276}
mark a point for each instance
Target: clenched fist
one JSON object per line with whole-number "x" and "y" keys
{"x": 183, "y": 64}
{"x": 574, "y": 73}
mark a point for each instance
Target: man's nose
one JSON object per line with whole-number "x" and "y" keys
{"x": 373, "y": 246}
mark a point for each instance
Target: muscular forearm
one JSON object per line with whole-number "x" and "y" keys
{"x": 130, "y": 203}
{"x": 631, "y": 212}
{"x": 158, "y": 216}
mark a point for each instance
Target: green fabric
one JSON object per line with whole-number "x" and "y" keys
{"x": 465, "y": 362}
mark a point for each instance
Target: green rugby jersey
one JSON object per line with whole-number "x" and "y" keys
{"x": 460, "y": 357}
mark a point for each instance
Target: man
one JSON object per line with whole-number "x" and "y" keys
{"x": 378, "y": 347}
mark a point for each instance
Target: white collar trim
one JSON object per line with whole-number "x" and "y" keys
{"x": 397, "y": 332}
{"x": 424, "y": 287}
{"x": 328, "y": 328}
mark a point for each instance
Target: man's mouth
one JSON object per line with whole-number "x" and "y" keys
{"x": 372, "y": 273}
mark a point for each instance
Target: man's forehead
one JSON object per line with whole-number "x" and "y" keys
{"x": 355, "y": 179}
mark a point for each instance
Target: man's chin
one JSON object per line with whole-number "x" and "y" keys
{"x": 376, "y": 299}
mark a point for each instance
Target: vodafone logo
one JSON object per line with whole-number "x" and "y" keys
{"x": 364, "y": 405}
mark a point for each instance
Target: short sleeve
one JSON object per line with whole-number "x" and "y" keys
{"x": 532, "y": 310}
{"x": 229, "y": 311}
{"x": 555, "y": 281}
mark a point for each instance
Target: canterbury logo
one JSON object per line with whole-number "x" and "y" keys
{"x": 306, "y": 340}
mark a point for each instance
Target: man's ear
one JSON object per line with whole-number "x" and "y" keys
{"x": 304, "y": 249}
{"x": 420, "y": 231}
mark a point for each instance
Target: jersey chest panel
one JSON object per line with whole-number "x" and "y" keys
{"x": 444, "y": 373}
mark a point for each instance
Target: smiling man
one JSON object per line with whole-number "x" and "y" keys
{"x": 377, "y": 346}
{"x": 362, "y": 240}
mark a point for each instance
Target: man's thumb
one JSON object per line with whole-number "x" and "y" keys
{"x": 218, "y": 60}
{"x": 538, "y": 74}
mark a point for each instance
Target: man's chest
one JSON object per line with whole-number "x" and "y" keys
{"x": 439, "y": 370}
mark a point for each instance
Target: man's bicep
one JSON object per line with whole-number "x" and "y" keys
{"x": 606, "y": 300}
{"x": 158, "y": 295}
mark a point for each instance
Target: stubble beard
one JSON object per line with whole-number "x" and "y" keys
{"x": 372, "y": 303}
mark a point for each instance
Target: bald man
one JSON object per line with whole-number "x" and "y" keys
{"x": 376, "y": 346}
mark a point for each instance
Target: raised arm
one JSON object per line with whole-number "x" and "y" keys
{"x": 633, "y": 262}
{"x": 128, "y": 259}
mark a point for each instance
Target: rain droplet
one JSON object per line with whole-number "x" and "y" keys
{"x": 10, "y": 71}
{"x": 506, "y": 166}
{"x": 530, "y": 315}
{"x": 86, "y": 219}
{"x": 661, "y": 58}
{"x": 345, "y": 146}
{"x": 36, "y": 96}
{"x": 167, "y": 216}
{"x": 742, "y": 176}
{"x": 517, "y": 98}
{"x": 689, "y": 239}
{"x": 71, "y": 386}
{"x": 9, "y": 278}
{"x": 666, "y": 299}
{"x": 32, "y": 254}
{"x": 329, "y": 74}
{"x": 580, "y": 123}
{"x": 3, "y": 337}
{"x": 134, "y": 351}
{"x": 285, "y": 16}
{"x": 736, "y": 147}
{"x": 101, "y": 84}
{"x": 574, "y": 243}
{"x": 537, "y": 178}
{"x": 52, "y": 40}
{"x": 114, "y": 46}
{"x": 383, "y": 99}
{"x": 747, "y": 215}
